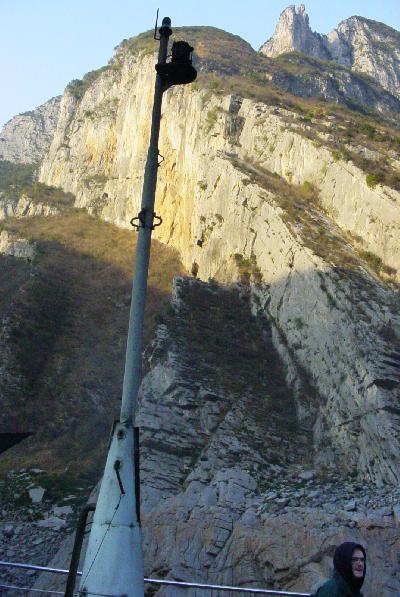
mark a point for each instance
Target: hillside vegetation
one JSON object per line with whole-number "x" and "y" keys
{"x": 15, "y": 177}
{"x": 67, "y": 317}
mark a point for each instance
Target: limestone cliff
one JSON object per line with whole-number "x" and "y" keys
{"x": 374, "y": 49}
{"x": 26, "y": 137}
{"x": 210, "y": 476}
{"x": 246, "y": 185}
{"x": 269, "y": 411}
{"x": 229, "y": 495}
{"x": 309, "y": 77}
{"x": 360, "y": 44}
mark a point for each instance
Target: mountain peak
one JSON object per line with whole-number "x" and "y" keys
{"x": 292, "y": 34}
{"x": 358, "y": 43}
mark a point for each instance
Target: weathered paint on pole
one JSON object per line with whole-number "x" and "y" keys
{"x": 114, "y": 560}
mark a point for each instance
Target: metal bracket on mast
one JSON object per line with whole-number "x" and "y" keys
{"x": 117, "y": 466}
{"x": 141, "y": 218}
{"x": 162, "y": 159}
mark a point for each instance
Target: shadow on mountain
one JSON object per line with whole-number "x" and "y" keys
{"x": 219, "y": 424}
{"x": 63, "y": 351}
{"x": 62, "y": 346}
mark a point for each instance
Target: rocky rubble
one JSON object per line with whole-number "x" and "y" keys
{"x": 32, "y": 526}
{"x": 27, "y": 543}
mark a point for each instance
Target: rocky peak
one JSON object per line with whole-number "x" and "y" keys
{"x": 293, "y": 33}
{"x": 26, "y": 137}
{"x": 358, "y": 43}
{"x": 369, "y": 47}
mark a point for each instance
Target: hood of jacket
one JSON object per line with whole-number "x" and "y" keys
{"x": 342, "y": 564}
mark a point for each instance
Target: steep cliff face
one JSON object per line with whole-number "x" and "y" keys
{"x": 98, "y": 154}
{"x": 231, "y": 198}
{"x": 225, "y": 461}
{"x": 26, "y": 137}
{"x": 229, "y": 495}
{"x": 269, "y": 412}
{"x": 369, "y": 47}
{"x": 312, "y": 78}
{"x": 359, "y": 44}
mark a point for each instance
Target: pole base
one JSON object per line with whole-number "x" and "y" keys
{"x": 114, "y": 562}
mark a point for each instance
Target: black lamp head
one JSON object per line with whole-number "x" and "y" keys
{"x": 181, "y": 52}
{"x": 180, "y": 70}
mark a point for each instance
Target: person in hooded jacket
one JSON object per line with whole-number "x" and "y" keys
{"x": 349, "y": 564}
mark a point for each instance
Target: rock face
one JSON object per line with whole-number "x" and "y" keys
{"x": 293, "y": 34}
{"x": 312, "y": 78}
{"x": 221, "y": 517}
{"x": 269, "y": 412}
{"x": 24, "y": 206}
{"x": 359, "y": 44}
{"x": 16, "y": 247}
{"x": 228, "y": 495}
{"x": 212, "y": 481}
{"x": 369, "y": 47}
{"x": 26, "y": 137}
{"x": 332, "y": 320}
{"x": 100, "y": 159}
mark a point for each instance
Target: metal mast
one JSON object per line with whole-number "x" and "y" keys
{"x": 114, "y": 561}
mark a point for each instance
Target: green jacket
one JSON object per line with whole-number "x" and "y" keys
{"x": 337, "y": 587}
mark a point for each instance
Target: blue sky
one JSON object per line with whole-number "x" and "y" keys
{"x": 46, "y": 43}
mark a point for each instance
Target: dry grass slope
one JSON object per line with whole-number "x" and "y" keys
{"x": 67, "y": 327}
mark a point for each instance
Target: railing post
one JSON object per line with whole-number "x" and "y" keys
{"x": 76, "y": 551}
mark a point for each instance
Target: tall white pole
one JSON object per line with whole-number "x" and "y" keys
{"x": 114, "y": 561}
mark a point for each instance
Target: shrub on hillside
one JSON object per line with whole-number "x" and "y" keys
{"x": 374, "y": 179}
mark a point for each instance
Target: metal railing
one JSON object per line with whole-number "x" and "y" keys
{"x": 28, "y": 590}
{"x": 155, "y": 581}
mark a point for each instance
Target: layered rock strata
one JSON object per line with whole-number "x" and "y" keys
{"x": 101, "y": 159}
{"x": 229, "y": 495}
{"x": 369, "y": 47}
{"x": 25, "y": 206}
{"x": 336, "y": 85}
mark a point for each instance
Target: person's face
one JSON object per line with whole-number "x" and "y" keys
{"x": 357, "y": 563}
